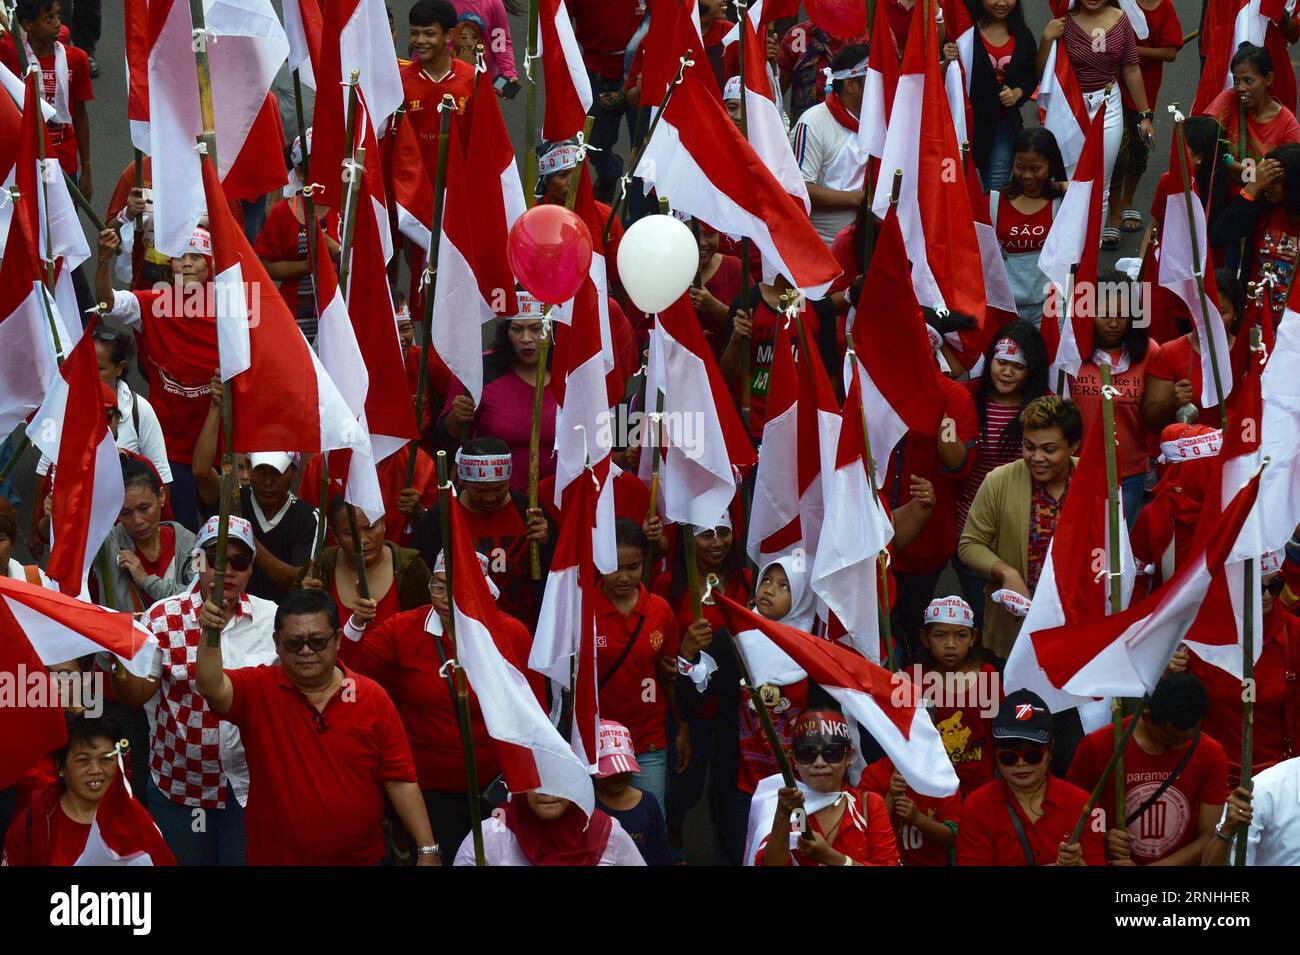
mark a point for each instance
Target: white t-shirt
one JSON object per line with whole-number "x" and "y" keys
{"x": 500, "y": 847}
{"x": 818, "y": 140}
{"x": 148, "y": 442}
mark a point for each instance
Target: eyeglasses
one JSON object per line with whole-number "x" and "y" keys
{"x": 806, "y": 753}
{"x": 236, "y": 562}
{"x": 438, "y": 590}
{"x": 295, "y": 644}
{"x": 1031, "y": 755}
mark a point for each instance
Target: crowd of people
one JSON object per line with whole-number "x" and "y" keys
{"x": 322, "y": 728}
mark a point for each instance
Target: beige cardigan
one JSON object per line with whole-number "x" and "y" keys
{"x": 997, "y": 528}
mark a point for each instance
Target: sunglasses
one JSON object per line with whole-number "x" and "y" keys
{"x": 236, "y": 562}
{"x": 295, "y": 644}
{"x": 806, "y": 753}
{"x": 1275, "y": 586}
{"x": 1031, "y": 755}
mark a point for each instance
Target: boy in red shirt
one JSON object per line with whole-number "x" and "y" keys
{"x": 926, "y": 827}
{"x": 65, "y": 84}
{"x": 433, "y": 73}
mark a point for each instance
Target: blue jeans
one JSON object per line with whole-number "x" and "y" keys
{"x": 685, "y": 789}
{"x": 653, "y": 777}
{"x": 1001, "y": 155}
{"x": 1131, "y": 489}
{"x": 605, "y": 131}
{"x": 221, "y": 840}
{"x": 732, "y": 851}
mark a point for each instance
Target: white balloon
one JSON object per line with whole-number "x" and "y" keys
{"x": 657, "y": 261}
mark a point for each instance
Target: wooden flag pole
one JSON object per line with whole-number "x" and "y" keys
{"x": 531, "y": 130}
{"x": 656, "y": 446}
{"x": 462, "y": 690}
{"x": 1113, "y": 570}
{"x": 746, "y": 370}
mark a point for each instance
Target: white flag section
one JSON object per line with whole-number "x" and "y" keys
{"x": 366, "y": 44}
{"x": 1058, "y": 114}
{"x": 1277, "y": 511}
{"x": 27, "y": 364}
{"x": 295, "y": 29}
{"x": 234, "y": 343}
{"x": 245, "y": 42}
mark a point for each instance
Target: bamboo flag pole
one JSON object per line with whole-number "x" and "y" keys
{"x": 462, "y": 691}
{"x": 447, "y": 107}
{"x": 531, "y": 130}
{"x": 656, "y": 447}
{"x": 746, "y": 371}
{"x": 1113, "y": 575}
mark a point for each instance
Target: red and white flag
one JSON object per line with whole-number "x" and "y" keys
{"x": 71, "y": 430}
{"x": 594, "y": 214}
{"x": 568, "y": 87}
{"x": 674, "y": 30}
{"x": 413, "y": 190}
{"x": 1074, "y": 586}
{"x": 1071, "y": 255}
{"x": 136, "y": 18}
{"x": 699, "y": 161}
{"x": 245, "y": 45}
{"x": 123, "y": 833}
{"x": 879, "y": 87}
{"x": 1126, "y": 654}
{"x": 886, "y": 705}
{"x": 855, "y": 530}
{"x": 1279, "y": 434}
{"x": 1061, "y": 107}
{"x": 29, "y": 732}
{"x": 264, "y": 352}
{"x": 532, "y": 753}
{"x": 933, "y": 207}
{"x": 303, "y": 25}
{"x": 706, "y": 445}
{"x": 973, "y": 343}
{"x": 893, "y": 350}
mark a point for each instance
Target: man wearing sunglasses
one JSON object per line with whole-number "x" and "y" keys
{"x": 324, "y": 743}
{"x": 1025, "y": 816}
{"x": 197, "y": 762}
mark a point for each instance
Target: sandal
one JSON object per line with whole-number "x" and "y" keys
{"x": 1110, "y": 237}
{"x": 1131, "y": 221}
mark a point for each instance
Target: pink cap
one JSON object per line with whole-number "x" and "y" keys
{"x": 614, "y": 750}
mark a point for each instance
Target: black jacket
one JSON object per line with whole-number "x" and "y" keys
{"x": 986, "y": 109}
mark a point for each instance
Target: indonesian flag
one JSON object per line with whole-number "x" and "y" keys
{"x": 764, "y": 121}
{"x": 566, "y": 624}
{"x": 1074, "y": 586}
{"x": 698, "y": 159}
{"x": 264, "y": 351}
{"x": 532, "y": 753}
{"x": 29, "y": 732}
{"x": 389, "y": 414}
{"x": 589, "y": 211}
{"x": 1061, "y": 107}
{"x": 136, "y": 17}
{"x": 1071, "y": 254}
{"x": 1127, "y": 653}
{"x": 674, "y": 30}
{"x": 886, "y": 705}
{"x": 246, "y": 46}
{"x": 880, "y": 86}
{"x": 413, "y": 190}
{"x": 855, "y": 531}
{"x": 568, "y": 87}
{"x": 303, "y": 25}
{"x": 799, "y": 443}
{"x": 342, "y": 358}
{"x": 972, "y": 343}
{"x": 933, "y": 207}
{"x": 895, "y": 358}
{"x": 354, "y": 36}
{"x": 705, "y": 442}
{"x": 483, "y": 199}
{"x": 123, "y": 833}
{"x": 1178, "y": 273}
{"x": 1278, "y": 511}
{"x": 71, "y": 430}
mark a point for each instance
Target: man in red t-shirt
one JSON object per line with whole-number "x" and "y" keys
{"x": 324, "y": 744}
{"x": 65, "y": 85}
{"x": 1175, "y": 779}
{"x": 433, "y": 73}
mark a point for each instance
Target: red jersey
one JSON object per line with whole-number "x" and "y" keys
{"x": 1022, "y": 232}
{"x": 757, "y": 761}
{"x": 423, "y": 95}
{"x": 628, "y": 654}
{"x": 603, "y": 29}
{"x": 44, "y": 835}
{"x": 873, "y": 845}
{"x": 988, "y": 836}
{"x": 316, "y": 795}
{"x": 964, "y": 724}
{"x": 914, "y": 848}
{"x": 63, "y": 136}
{"x": 1171, "y": 822}
{"x": 1164, "y": 30}
{"x": 1174, "y": 361}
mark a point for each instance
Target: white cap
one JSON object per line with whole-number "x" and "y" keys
{"x": 733, "y": 89}
{"x": 952, "y": 610}
{"x": 240, "y": 530}
{"x": 440, "y": 567}
{"x": 280, "y": 460}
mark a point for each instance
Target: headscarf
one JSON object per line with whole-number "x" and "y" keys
{"x": 571, "y": 840}
{"x": 803, "y": 602}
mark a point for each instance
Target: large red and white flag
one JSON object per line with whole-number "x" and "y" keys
{"x": 1061, "y": 107}
{"x": 342, "y": 358}
{"x": 796, "y": 457}
{"x": 855, "y": 530}
{"x": 568, "y": 87}
{"x": 245, "y": 45}
{"x": 123, "y": 833}
{"x": 1074, "y": 586}
{"x": 879, "y": 87}
{"x": 136, "y": 18}
{"x": 886, "y": 705}
{"x": 413, "y": 190}
{"x": 1278, "y": 510}
{"x": 594, "y": 214}
{"x": 894, "y": 355}
{"x": 71, "y": 430}
{"x": 933, "y": 207}
{"x": 698, "y": 160}
{"x": 1070, "y": 257}
{"x": 264, "y": 352}
{"x": 303, "y": 25}
{"x": 29, "y": 732}
{"x": 1126, "y": 654}
{"x": 705, "y": 444}
{"x": 533, "y": 754}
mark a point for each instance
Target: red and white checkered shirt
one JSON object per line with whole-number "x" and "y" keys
{"x": 193, "y": 752}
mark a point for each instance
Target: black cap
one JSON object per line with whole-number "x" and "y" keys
{"x": 1024, "y": 716}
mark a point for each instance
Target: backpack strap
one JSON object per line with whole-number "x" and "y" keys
{"x": 1020, "y": 834}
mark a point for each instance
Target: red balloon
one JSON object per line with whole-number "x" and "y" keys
{"x": 846, "y": 19}
{"x": 549, "y": 250}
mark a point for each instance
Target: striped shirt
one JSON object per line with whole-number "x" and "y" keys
{"x": 996, "y": 419}
{"x": 1098, "y": 58}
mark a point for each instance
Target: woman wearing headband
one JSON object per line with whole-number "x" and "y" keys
{"x": 843, "y": 827}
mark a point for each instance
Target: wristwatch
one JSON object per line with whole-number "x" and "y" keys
{"x": 432, "y": 850}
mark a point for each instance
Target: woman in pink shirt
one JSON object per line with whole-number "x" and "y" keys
{"x": 499, "y": 48}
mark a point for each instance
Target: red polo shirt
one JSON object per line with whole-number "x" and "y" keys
{"x": 423, "y": 96}
{"x": 316, "y": 793}
{"x": 633, "y": 694}
{"x": 988, "y": 837}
